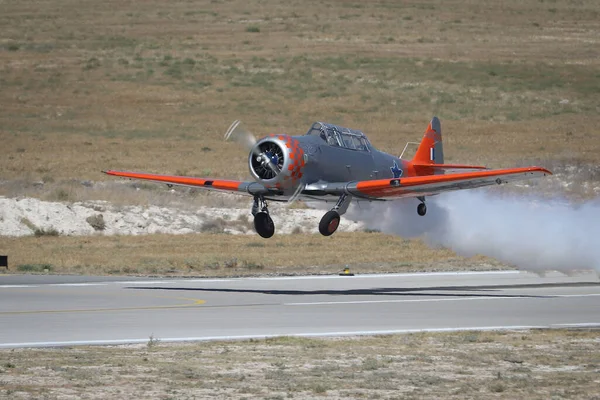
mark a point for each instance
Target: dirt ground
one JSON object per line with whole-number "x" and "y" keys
{"x": 537, "y": 364}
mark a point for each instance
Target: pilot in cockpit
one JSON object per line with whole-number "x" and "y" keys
{"x": 329, "y": 138}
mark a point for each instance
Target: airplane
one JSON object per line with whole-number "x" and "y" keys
{"x": 336, "y": 164}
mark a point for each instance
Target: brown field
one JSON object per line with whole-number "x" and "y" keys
{"x": 153, "y": 85}
{"x": 558, "y": 364}
{"x": 232, "y": 255}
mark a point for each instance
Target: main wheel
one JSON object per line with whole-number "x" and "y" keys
{"x": 422, "y": 209}
{"x": 329, "y": 223}
{"x": 263, "y": 224}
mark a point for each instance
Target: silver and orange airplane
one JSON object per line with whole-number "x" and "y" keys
{"x": 336, "y": 164}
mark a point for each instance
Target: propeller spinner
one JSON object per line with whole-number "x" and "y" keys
{"x": 275, "y": 160}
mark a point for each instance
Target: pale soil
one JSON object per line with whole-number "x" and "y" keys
{"x": 22, "y": 216}
{"x": 537, "y": 364}
{"x": 181, "y": 237}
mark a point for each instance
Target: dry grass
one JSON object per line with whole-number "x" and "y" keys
{"x": 88, "y": 86}
{"x": 233, "y": 255}
{"x": 538, "y": 364}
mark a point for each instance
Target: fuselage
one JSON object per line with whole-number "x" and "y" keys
{"x": 327, "y": 153}
{"x": 330, "y": 163}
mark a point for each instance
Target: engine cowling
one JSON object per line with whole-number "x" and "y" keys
{"x": 277, "y": 161}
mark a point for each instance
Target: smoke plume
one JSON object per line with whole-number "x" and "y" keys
{"x": 531, "y": 233}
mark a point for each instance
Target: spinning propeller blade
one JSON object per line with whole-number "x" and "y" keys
{"x": 238, "y": 133}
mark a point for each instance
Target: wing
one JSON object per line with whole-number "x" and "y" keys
{"x": 249, "y": 188}
{"x": 380, "y": 189}
{"x": 388, "y": 189}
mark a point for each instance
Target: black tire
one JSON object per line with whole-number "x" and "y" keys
{"x": 263, "y": 224}
{"x": 422, "y": 209}
{"x": 329, "y": 223}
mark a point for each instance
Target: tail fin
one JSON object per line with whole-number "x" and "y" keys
{"x": 429, "y": 158}
{"x": 430, "y": 150}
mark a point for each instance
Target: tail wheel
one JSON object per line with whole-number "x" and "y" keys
{"x": 329, "y": 223}
{"x": 263, "y": 224}
{"x": 422, "y": 209}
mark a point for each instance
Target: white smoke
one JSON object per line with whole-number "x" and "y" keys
{"x": 531, "y": 233}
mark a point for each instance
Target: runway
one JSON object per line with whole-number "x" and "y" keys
{"x": 38, "y": 311}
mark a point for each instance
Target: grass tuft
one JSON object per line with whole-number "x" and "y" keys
{"x": 35, "y": 267}
{"x": 252, "y": 266}
{"x": 39, "y": 232}
{"x": 216, "y": 225}
{"x": 370, "y": 364}
{"x": 497, "y": 387}
{"x": 91, "y": 63}
{"x": 96, "y": 221}
{"x": 29, "y": 224}
{"x": 152, "y": 342}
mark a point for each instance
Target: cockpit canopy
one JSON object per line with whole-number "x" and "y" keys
{"x": 339, "y": 136}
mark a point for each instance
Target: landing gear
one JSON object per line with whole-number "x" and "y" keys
{"x": 422, "y": 207}
{"x": 329, "y": 223}
{"x": 263, "y": 224}
{"x": 331, "y": 220}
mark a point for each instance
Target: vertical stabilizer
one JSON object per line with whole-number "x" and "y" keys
{"x": 430, "y": 150}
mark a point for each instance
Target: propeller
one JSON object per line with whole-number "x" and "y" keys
{"x": 238, "y": 133}
{"x": 266, "y": 157}
{"x": 296, "y": 193}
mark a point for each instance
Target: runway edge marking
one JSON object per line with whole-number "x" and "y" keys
{"x": 260, "y": 278}
{"x": 115, "y": 342}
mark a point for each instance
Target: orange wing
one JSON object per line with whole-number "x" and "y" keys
{"x": 380, "y": 189}
{"x": 434, "y": 184}
{"x": 250, "y": 188}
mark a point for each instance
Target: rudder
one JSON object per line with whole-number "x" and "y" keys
{"x": 430, "y": 149}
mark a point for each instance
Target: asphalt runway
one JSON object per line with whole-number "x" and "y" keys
{"x": 66, "y": 311}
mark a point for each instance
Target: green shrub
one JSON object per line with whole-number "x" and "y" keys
{"x": 91, "y": 63}
{"x": 34, "y": 267}
{"x": 38, "y": 232}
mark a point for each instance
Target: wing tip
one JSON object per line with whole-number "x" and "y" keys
{"x": 542, "y": 170}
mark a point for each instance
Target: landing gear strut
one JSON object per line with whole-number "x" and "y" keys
{"x": 263, "y": 224}
{"x": 422, "y": 207}
{"x": 331, "y": 220}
